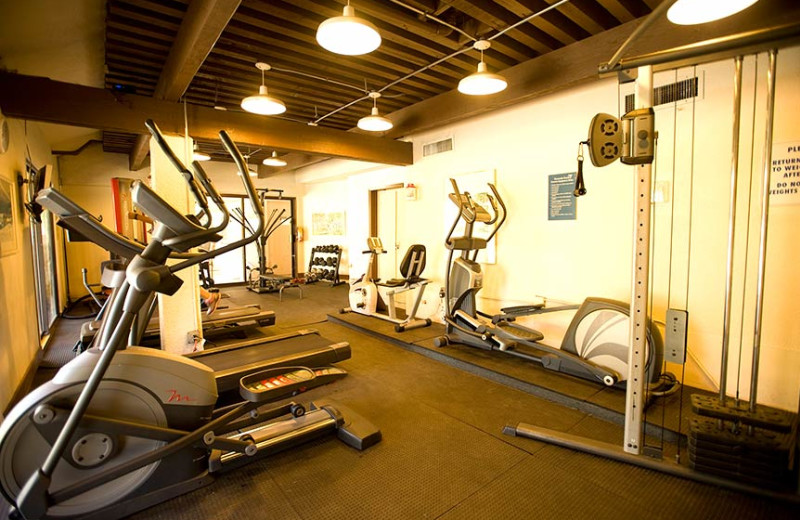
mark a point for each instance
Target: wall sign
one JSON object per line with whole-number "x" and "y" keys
{"x": 784, "y": 183}
{"x": 561, "y": 203}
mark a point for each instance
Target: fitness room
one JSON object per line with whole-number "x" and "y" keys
{"x": 399, "y": 259}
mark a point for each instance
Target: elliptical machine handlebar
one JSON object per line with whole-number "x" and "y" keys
{"x": 213, "y": 194}
{"x": 252, "y": 196}
{"x": 468, "y": 209}
{"x": 244, "y": 172}
{"x": 494, "y": 201}
{"x": 194, "y": 187}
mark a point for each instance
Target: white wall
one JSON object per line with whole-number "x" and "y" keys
{"x": 19, "y": 337}
{"x": 591, "y": 256}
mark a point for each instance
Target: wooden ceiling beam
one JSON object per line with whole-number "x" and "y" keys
{"x": 382, "y": 57}
{"x": 41, "y": 99}
{"x": 121, "y": 11}
{"x": 257, "y": 42}
{"x": 596, "y": 12}
{"x": 553, "y": 20}
{"x": 577, "y": 64}
{"x": 396, "y": 23}
{"x": 280, "y": 14}
{"x": 199, "y": 31}
{"x": 617, "y": 10}
{"x": 401, "y": 27}
{"x": 499, "y": 18}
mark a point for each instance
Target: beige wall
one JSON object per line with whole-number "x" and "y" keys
{"x": 564, "y": 260}
{"x": 86, "y": 179}
{"x": 591, "y": 256}
{"x": 19, "y": 336}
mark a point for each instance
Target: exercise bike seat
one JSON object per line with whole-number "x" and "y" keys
{"x": 399, "y": 282}
{"x": 410, "y": 268}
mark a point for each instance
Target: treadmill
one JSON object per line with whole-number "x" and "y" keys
{"x": 304, "y": 347}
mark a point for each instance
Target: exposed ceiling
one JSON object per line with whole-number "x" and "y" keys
{"x": 314, "y": 82}
{"x": 160, "y": 52}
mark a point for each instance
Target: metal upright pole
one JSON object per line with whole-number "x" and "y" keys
{"x": 762, "y": 249}
{"x": 726, "y": 322}
{"x": 635, "y": 399}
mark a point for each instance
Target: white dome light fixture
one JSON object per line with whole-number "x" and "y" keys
{"x": 274, "y": 160}
{"x": 262, "y": 103}
{"x": 483, "y": 82}
{"x": 693, "y": 12}
{"x": 374, "y": 122}
{"x": 348, "y": 34}
{"x": 197, "y": 155}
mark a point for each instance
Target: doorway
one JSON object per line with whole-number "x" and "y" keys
{"x": 281, "y": 248}
{"x": 387, "y": 211}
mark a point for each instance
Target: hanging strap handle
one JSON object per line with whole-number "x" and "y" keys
{"x": 580, "y": 187}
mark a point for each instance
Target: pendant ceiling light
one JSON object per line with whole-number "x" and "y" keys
{"x": 348, "y": 34}
{"x": 374, "y": 122}
{"x": 274, "y": 160}
{"x": 263, "y": 103}
{"x": 197, "y": 155}
{"x": 483, "y": 82}
{"x": 692, "y": 12}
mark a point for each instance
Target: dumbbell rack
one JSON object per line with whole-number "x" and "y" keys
{"x": 324, "y": 264}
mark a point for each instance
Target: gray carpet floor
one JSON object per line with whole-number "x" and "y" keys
{"x": 443, "y": 454}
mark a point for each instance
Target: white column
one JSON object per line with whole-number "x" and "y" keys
{"x": 178, "y": 314}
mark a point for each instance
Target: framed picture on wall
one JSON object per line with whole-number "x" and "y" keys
{"x": 8, "y": 220}
{"x": 328, "y": 223}
{"x": 477, "y": 185}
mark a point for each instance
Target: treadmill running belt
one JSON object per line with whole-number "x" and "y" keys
{"x": 310, "y": 350}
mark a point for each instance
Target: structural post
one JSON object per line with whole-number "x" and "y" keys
{"x": 726, "y": 321}
{"x": 178, "y": 314}
{"x": 762, "y": 246}
{"x": 635, "y": 398}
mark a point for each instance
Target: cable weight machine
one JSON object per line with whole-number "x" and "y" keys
{"x": 738, "y": 444}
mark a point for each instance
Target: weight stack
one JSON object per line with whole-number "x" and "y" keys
{"x": 756, "y": 448}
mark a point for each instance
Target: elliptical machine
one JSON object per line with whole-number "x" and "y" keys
{"x": 119, "y": 429}
{"x": 595, "y": 346}
{"x": 375, "y": 298}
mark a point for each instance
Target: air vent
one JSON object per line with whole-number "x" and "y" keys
{"x": 445, "y": 145}
{"x": 685, "y": 89}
